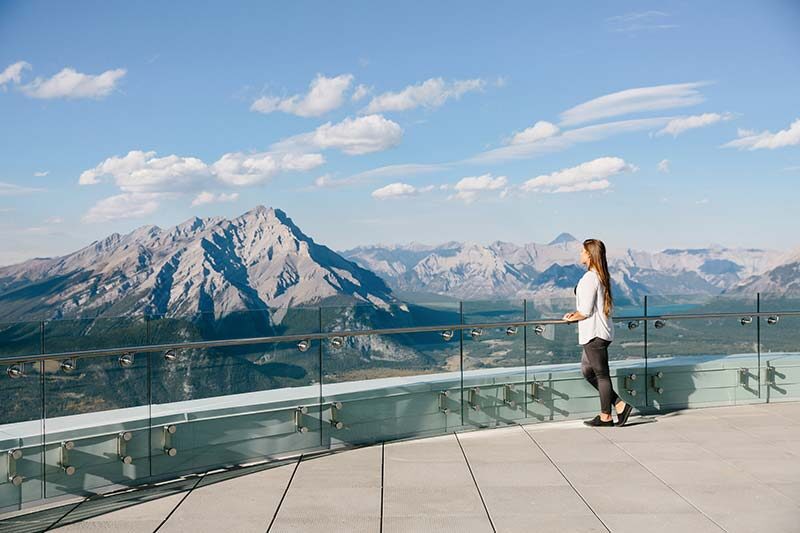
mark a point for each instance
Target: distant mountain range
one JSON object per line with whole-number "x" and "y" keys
{"x": 506, "y": 270}
{"x": 262, "y": 260}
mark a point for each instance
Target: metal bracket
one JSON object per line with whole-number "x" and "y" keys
{"x": 166, "y": 440}
{"x": 335, "y": 408}
{"x": 14, "y": 478}
{"x": 655, "y": 381}
{"x": 508, "y": 393}
{"x": 443, "y": 395}
{"x": 298, "y": 418}
{"x": 769, "y": 375}
{"x": 63, "y": 461}
{"x": 629, "y": 387}
{"x": 122, "y": 447}
{"x": 744, "y": 374}
{"x": 473, "y": 398}
{"x": 536, "y": 387}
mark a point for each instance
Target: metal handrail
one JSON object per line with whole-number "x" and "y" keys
{"x": 16, "y": 359}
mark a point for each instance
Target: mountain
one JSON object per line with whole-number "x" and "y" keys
{"x": 532, "y": 270}
{"x": 260, "y": 260}
{"x": 783, "y": 280}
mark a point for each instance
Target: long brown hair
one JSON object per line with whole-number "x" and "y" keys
{"x": 597, "y": 261}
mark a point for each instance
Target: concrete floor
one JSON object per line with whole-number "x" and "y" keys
{"x": 733, "y": 469}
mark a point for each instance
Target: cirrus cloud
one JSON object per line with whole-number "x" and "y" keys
{"x": 588, "y": 176}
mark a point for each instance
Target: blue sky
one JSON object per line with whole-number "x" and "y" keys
{"x": 649, "y": 125}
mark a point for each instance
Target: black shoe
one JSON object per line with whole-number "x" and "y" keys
{"x": 623, "y": 416}
{"x": 597, "y": 422}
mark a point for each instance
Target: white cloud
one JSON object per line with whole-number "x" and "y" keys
{"x": 430, "y": 93}
{"x": 591, "y": 175}
{"x": 467, "y": 189}
{"x": 664, "y": 166}
{"x": 642, "y": 20}
{"x": 121, "y": 206}
{"x": 634, "y": 101}
{"x": 353, "y": 136}
{"x": 41, "y": 174}
{"x": 13, "y": 73}
{"x": 141, "y": 172}
{"x": 252, "y": 169}
{"x": 395, "y": 190}
{"x": 71, "y": 84}
{"x": 678, "y": 125}
{"x": 324, "y": 95}
{"x": 566, "y": 139}
{"x": 751, "y": 140}
{"x": 541, "y": 130}
{"x": 9, "y": 189}
{"x": 54, "y": 220}
{"x": 206, "y": 197}
{"x": 360, "y": 93}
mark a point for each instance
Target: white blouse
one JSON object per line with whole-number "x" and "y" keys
{"x": 589, "y": 300}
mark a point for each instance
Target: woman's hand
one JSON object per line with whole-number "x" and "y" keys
{"x": 574, "y": 316}
{"x": 567, "y": 317}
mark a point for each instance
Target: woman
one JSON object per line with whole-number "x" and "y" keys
{"x": 595, "y": 331}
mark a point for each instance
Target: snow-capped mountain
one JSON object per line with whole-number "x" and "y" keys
{"x": 783, "y": 280}
{"x": 259, "y": 260}
{"x": 507, "y": 270}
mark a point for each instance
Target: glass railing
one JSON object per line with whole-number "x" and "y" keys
{"x": 91, "y": 405}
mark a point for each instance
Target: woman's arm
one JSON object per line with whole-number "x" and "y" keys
{"x": 575, "y": 316}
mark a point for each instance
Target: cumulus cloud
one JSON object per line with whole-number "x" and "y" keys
{"x": 206, "y": 197}
{"x": 41, "y": 174}
{"x": 467, "y": 189}
{"x": 395, "y": 190}
{"x": 243, "y": 169}
{"x": 430, "y": 93}
{"x": 71, "y": 84}
{"x": 13, "y": 73}
{"x": 679, "y": 125}
{"x": 324, "y": 95}
{"x": 541, "y": 130}
{"x": 126, "y": 205}
{"x": 353, "y": 136}
{"x": 752, "y": 140}
{"x": 634, "y": 101}
{"x": 664, "y": 166}
{"x": 360, "y": 93}
{"x": 591, "y": 175}
{"x": 140, "y": 172}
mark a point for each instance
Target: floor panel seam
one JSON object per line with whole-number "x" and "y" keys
{"x": 474, "y": 480}
{"x": 566, "y": 479}
{"x": 199, "y": 479}
{"x": 670, "y": 487}
{"x": 285, "y": 491}
{"x": 62, "y": 517}
{"x": 383, "y": 471}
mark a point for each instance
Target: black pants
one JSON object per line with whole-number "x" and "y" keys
{"x": 594, "y": 367}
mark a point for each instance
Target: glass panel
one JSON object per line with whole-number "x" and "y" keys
{"x": 780, "y": 348}
{"x": 702, "y": 361}
{"x": 97, "y": 412}
{"x": 494, "y": 363}
{"x": 627, "y": 362}
{"x": 94, "y": 334}
{"x": 388, "y": 386}
{"x": 21, "y": 418}
{"x": 557, "y": 388}
{"x": 233, "y": 404}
